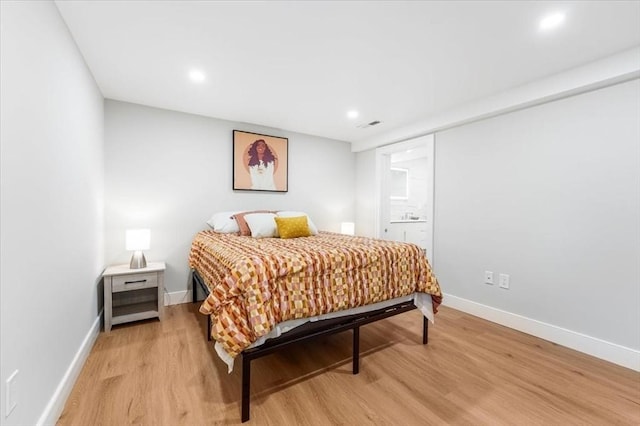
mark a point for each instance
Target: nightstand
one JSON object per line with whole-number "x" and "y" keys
{"x": 133, "y": 294}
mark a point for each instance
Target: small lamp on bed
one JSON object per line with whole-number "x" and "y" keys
{"x": 348, "y": 228}
{"x": 138, "y": 240}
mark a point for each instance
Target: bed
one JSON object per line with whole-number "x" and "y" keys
{"x": 263, "y": 294}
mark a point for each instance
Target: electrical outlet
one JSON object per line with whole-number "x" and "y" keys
{"x": 488, "y": 277}
{"x": 10, "y": 394}
{"x": 504, "y": 281}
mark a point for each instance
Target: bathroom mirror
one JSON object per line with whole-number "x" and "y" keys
{"x": 399, "y": 184}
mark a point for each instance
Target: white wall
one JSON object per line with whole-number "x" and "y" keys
{"x": 170, "y": 171}
{"x": 366, "y": 193}
{"x": 551, "y": 196}
{"x": 51, "y": 217}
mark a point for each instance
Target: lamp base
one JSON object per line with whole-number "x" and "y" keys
{"x": 137, "y": 260}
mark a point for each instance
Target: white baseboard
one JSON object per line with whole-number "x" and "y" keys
{"x": 56, "y": 404}
{"x": 177, "y": 297}
{"x": 617, "y": 354}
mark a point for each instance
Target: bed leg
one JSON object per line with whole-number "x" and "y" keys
{"x": 425, "y": 330}
{"x": 246, "y": 387}
{"x": 356, "y": 350}
{"x": 194, "y": 288}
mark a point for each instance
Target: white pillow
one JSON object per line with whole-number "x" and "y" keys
{"x": 286, "y": 213}
{"x": 262, "y": 225}
{"x": 224, "y": 223}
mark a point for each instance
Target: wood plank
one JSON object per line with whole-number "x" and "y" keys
{"x": 471, "y": 372}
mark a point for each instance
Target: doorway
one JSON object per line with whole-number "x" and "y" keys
{"x": 405, "y": 177}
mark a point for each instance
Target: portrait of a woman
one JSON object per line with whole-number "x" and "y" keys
{"x": 260, "y": 162}
{"x": 261, "y": 166}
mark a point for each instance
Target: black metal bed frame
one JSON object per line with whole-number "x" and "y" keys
{"x": 309, "y": 331}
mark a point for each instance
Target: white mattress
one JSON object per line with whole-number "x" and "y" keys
{"x": 421, "y": 300}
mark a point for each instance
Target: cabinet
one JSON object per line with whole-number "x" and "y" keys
{"x": 133, "y": 294}
{"x": 414, "y": 231}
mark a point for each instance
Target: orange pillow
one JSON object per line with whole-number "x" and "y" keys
{"x": 292, "y": 227}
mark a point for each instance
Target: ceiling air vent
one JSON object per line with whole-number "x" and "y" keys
{"x": 365, "y": 125}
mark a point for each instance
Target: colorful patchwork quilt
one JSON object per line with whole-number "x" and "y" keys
{"x": 256, "y": 283}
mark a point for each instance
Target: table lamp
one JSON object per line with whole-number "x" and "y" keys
{"x": 348, "y": 228}
{"x": 138, "y": 240}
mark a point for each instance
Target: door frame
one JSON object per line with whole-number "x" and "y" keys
{"x": 383, "y": 161}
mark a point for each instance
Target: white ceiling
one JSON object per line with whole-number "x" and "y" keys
{"x": 301, "y": 66}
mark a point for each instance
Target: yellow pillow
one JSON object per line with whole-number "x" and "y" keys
{"x": 292, "y": 227}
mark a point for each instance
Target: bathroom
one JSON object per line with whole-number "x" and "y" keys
{"x": 409, "y": 179}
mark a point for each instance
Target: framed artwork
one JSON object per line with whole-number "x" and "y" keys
{"x": 260, "y": 162}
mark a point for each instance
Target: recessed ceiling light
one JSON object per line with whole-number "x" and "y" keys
{"x": 196, "y": 76}
{"x": 352, "y": 114}
{"x": 552, "y": 21}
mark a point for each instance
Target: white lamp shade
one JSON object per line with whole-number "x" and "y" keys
{"x": 138, "y": 239}
{"x": 348, "y": 228}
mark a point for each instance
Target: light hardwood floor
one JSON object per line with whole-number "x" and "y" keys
{"x": 472, "y": 372}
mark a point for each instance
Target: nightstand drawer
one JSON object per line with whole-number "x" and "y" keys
{"x": 134, "y": 282}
